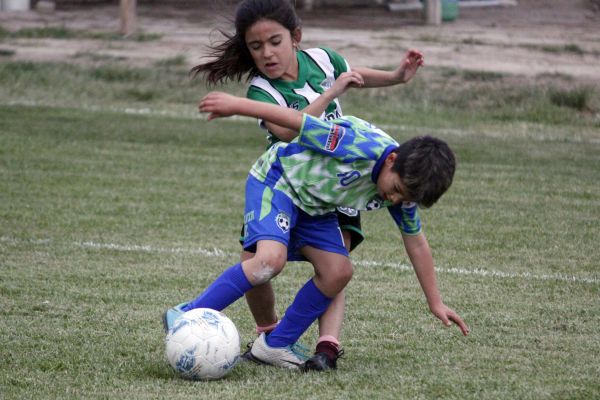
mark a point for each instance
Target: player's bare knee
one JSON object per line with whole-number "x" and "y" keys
{"x": 344, "y": 272}
{"x": 338, "y": 275}
{"x": 267, "y": 267}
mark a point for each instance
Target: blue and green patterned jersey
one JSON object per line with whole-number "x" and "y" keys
{"x": 318, "y": 68}
{"x": 334, "y": 164}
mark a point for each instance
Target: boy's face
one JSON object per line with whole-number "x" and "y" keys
{"x": 273, "y": 49}
{"x": 389, "y": 184}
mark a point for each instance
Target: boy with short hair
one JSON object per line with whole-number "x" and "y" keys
{"x": 291, "y": 195}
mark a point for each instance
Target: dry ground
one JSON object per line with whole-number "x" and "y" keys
{"x": 535, "y": 37}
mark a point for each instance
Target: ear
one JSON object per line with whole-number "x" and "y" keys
{"x": 296, "y": 36}
{"x": 390, "y": 159}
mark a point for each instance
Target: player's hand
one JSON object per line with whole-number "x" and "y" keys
{"x": 449, "y": 316}
{"x": 410, "y": 64}
{"x": 346, "y": 80}
{"x": 218, "y": 105}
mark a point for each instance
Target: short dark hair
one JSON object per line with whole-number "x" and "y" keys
{"x": 426, "y": 165}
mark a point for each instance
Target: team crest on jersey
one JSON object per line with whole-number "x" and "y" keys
{"x": 374, "y": 204}
{"x": 327, "y": 83}
{"x": 336, "y": 133}
{"x": 283, "y": 222}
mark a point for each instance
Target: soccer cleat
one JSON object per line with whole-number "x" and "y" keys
{"x": 321, "y": 362}
{"x": 247, "y": 356}
{"x": 291, "y": 357}
{"x": 171, "y": 315}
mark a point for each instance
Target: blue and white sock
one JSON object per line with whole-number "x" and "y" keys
{"x": 225, "y": 290}
{"x": 310, "y": 303}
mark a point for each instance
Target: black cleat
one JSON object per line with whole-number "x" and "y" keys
{"x": 320, "y": 362}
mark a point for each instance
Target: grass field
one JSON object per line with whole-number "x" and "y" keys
{"x": 118, "y": 201}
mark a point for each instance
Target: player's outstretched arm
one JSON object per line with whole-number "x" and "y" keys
{"x": 219, "y": 105}
{"x": 408, "y": 67}
{"x": 419, "y": 253}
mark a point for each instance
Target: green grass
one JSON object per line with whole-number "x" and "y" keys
{"x": 107, "y": 218}
{"x": 61, "y": 32}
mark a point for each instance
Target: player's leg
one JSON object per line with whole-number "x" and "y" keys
{"x": 279, "y": 348}
{"x": 332, "y": 271}
{"x": 261, "y": 301}
{"x": 270, "y": 214}
{"x": 268, "y": 261}
{"x": 264, "y": 236}
{"x": 328, "y": 347}
{"x": 330, "y": 323}
{"x": 234, "y": 282}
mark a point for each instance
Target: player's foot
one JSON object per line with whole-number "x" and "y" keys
{"x": 171, "y": 315}
{"x": 291, "y": 357}
{"x": 321, "y": 362}
{"x": 247, "y": 355}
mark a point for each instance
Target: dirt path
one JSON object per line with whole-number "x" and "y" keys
{"x": 535, "y": 37}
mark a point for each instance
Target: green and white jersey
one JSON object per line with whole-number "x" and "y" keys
{"x": 318, "y": 68}
{"x": 334, "y": 164}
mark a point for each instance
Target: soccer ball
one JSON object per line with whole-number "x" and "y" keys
{"x": 203, "y": 344}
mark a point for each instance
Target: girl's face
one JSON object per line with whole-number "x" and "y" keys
{"x": 273, "y": 49}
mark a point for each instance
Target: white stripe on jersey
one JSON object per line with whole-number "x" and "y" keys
{"x": 321, "y": 57}
{"x": 310, "y": 95}
{"x": 264, "y": 84}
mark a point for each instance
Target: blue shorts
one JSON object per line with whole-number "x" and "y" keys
{"x": 271, "y": 215}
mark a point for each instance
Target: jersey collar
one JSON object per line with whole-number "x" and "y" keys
{"x": 380, "y": 161}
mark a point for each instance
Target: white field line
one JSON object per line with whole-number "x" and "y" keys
{"x": 485, "y": 273}
{"x": 188, "y": 113}
{"x": 213, "y": 252}
{"x": 219, "y": 253}
{"x": 193, "y": 114}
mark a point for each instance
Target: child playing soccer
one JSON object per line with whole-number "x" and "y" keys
{"x": 291, "y": 195}
{"x": 265, "y": 49}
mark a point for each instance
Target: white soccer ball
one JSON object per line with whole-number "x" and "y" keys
{"x": 203, "y": 344}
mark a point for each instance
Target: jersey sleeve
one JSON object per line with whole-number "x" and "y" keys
{"x": 406, "y": 216}
{"x": 340, "y": 65}
{"x": 347, "y": 138}
{"x": 331, "y": 138}
{"x": 258, "y": 94}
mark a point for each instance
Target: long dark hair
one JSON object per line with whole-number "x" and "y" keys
{"x": 231, "y": 58}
